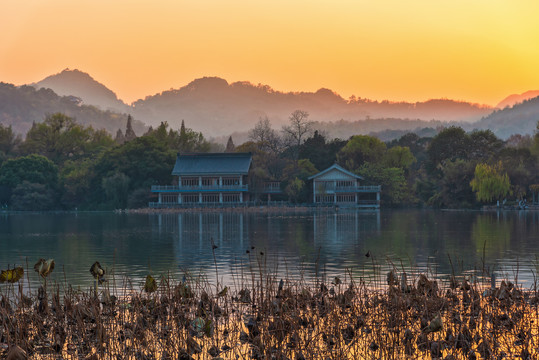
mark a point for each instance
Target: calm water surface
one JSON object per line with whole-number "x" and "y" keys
{"x": 291, "y": 245}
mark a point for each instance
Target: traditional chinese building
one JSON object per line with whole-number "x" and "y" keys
{"x": 206, "y": 178}
{"x": 338, "y": 186}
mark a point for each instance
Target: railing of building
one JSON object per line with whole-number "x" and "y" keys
{"x": 329, "y": 188}
{"x": 157, "y": 205}
{"x": 176, "y": 188}
{"x": 360, "y": 203}
{"x": 169, "y": 205}
{"x": 272, "y": 187}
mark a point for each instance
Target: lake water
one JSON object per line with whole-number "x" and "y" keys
{"x": 291, "y": 245}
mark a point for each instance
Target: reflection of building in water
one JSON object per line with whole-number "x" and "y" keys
{"x": 340, "y": 227}
{"x": 285, "y": 239}
{"x": 194, "y": 230}
{"x": 199, "y": 228}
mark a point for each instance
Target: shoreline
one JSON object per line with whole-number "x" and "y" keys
{"x": 244, "y": 209}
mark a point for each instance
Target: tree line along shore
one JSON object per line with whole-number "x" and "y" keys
{"x": 62, "y": 165}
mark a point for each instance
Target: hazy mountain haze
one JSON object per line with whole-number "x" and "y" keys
{"x": 214, "y": 106}
{"x": 218, "y": 108}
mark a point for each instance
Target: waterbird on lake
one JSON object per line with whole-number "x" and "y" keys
{"x": 368, "y": 254}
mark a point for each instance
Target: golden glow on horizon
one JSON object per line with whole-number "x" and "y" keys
{"x": 478, "y": 51}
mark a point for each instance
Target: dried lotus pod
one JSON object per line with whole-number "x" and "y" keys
{"x": 11, "y": 275}
{"x": 97, "y": 271}
{"x": 44, "y": 267}
{"x": 150, "y": 285}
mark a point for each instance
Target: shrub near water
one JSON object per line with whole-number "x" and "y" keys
{"x": 270, "y": 319}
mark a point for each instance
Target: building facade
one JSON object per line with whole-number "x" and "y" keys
{"x": 338, "y": 186}
{"x": 206, "y": 179}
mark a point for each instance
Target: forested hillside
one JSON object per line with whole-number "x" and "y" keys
{"x": 22, "y": 106}
{"x": 518, "y": 119}
{"x": 82, "y": 85}
{"x": 216, "y": 107}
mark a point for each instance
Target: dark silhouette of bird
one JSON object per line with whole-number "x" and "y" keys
{"x": 368, "y": 254}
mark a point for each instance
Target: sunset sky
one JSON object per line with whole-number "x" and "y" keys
{"x": 479, "y": 50}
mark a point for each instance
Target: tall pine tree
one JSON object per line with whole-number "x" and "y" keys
{"x": 230, "y": 147}
{"x": 129, "y": 133}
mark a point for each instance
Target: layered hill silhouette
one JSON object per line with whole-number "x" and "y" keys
{"x": 214, "y": 106}
{"x": 517, "y": 98}
{"x": 20, "y": 106}
{"x": 82, "y": 85}
{"x": 518, "y": 119}
{"x": 218, "y": 108}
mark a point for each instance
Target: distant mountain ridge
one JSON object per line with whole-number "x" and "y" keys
{"x": 214, "y": 106}
{"x": 82, "y": 85}
{"x": 218, "y": 108}
{"x": 517, "y": 98}
{"x": 21, "y": 106}
{"x": 519, "y": 119}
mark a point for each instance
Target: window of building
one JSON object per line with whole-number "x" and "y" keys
{"x": 210, "y": 181}
{"x": 229, "y": 198}
{"x": 324, "y": 198}
{"x": 210, "y": 198}
{"x": 322, "y": 186}
{"x": 346, "y": 198}
{"x": 345, "y": 183}
{"x": 230, "y": 181}
{"x": 190, "y": 198}
{"x": 190, "y": 181}
{"x": 167, "y": 199}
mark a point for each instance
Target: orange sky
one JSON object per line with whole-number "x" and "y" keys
{"x": 479, "y": 50}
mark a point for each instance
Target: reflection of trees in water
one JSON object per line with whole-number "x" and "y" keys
{"x": 491, "y": 235}
{"x": 290, "y": 241}
{"x": 324, "y": 240}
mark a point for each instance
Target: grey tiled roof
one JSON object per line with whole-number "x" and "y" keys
{"x": 212, "y": 164}
{"x": 338, "y": 167}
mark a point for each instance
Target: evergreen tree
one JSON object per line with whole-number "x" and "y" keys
{"x": 230, "y": 147}
{"x": 129, "y": 133}
{"x": 182, "y": 130}
{"x": 120, "y": 138}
